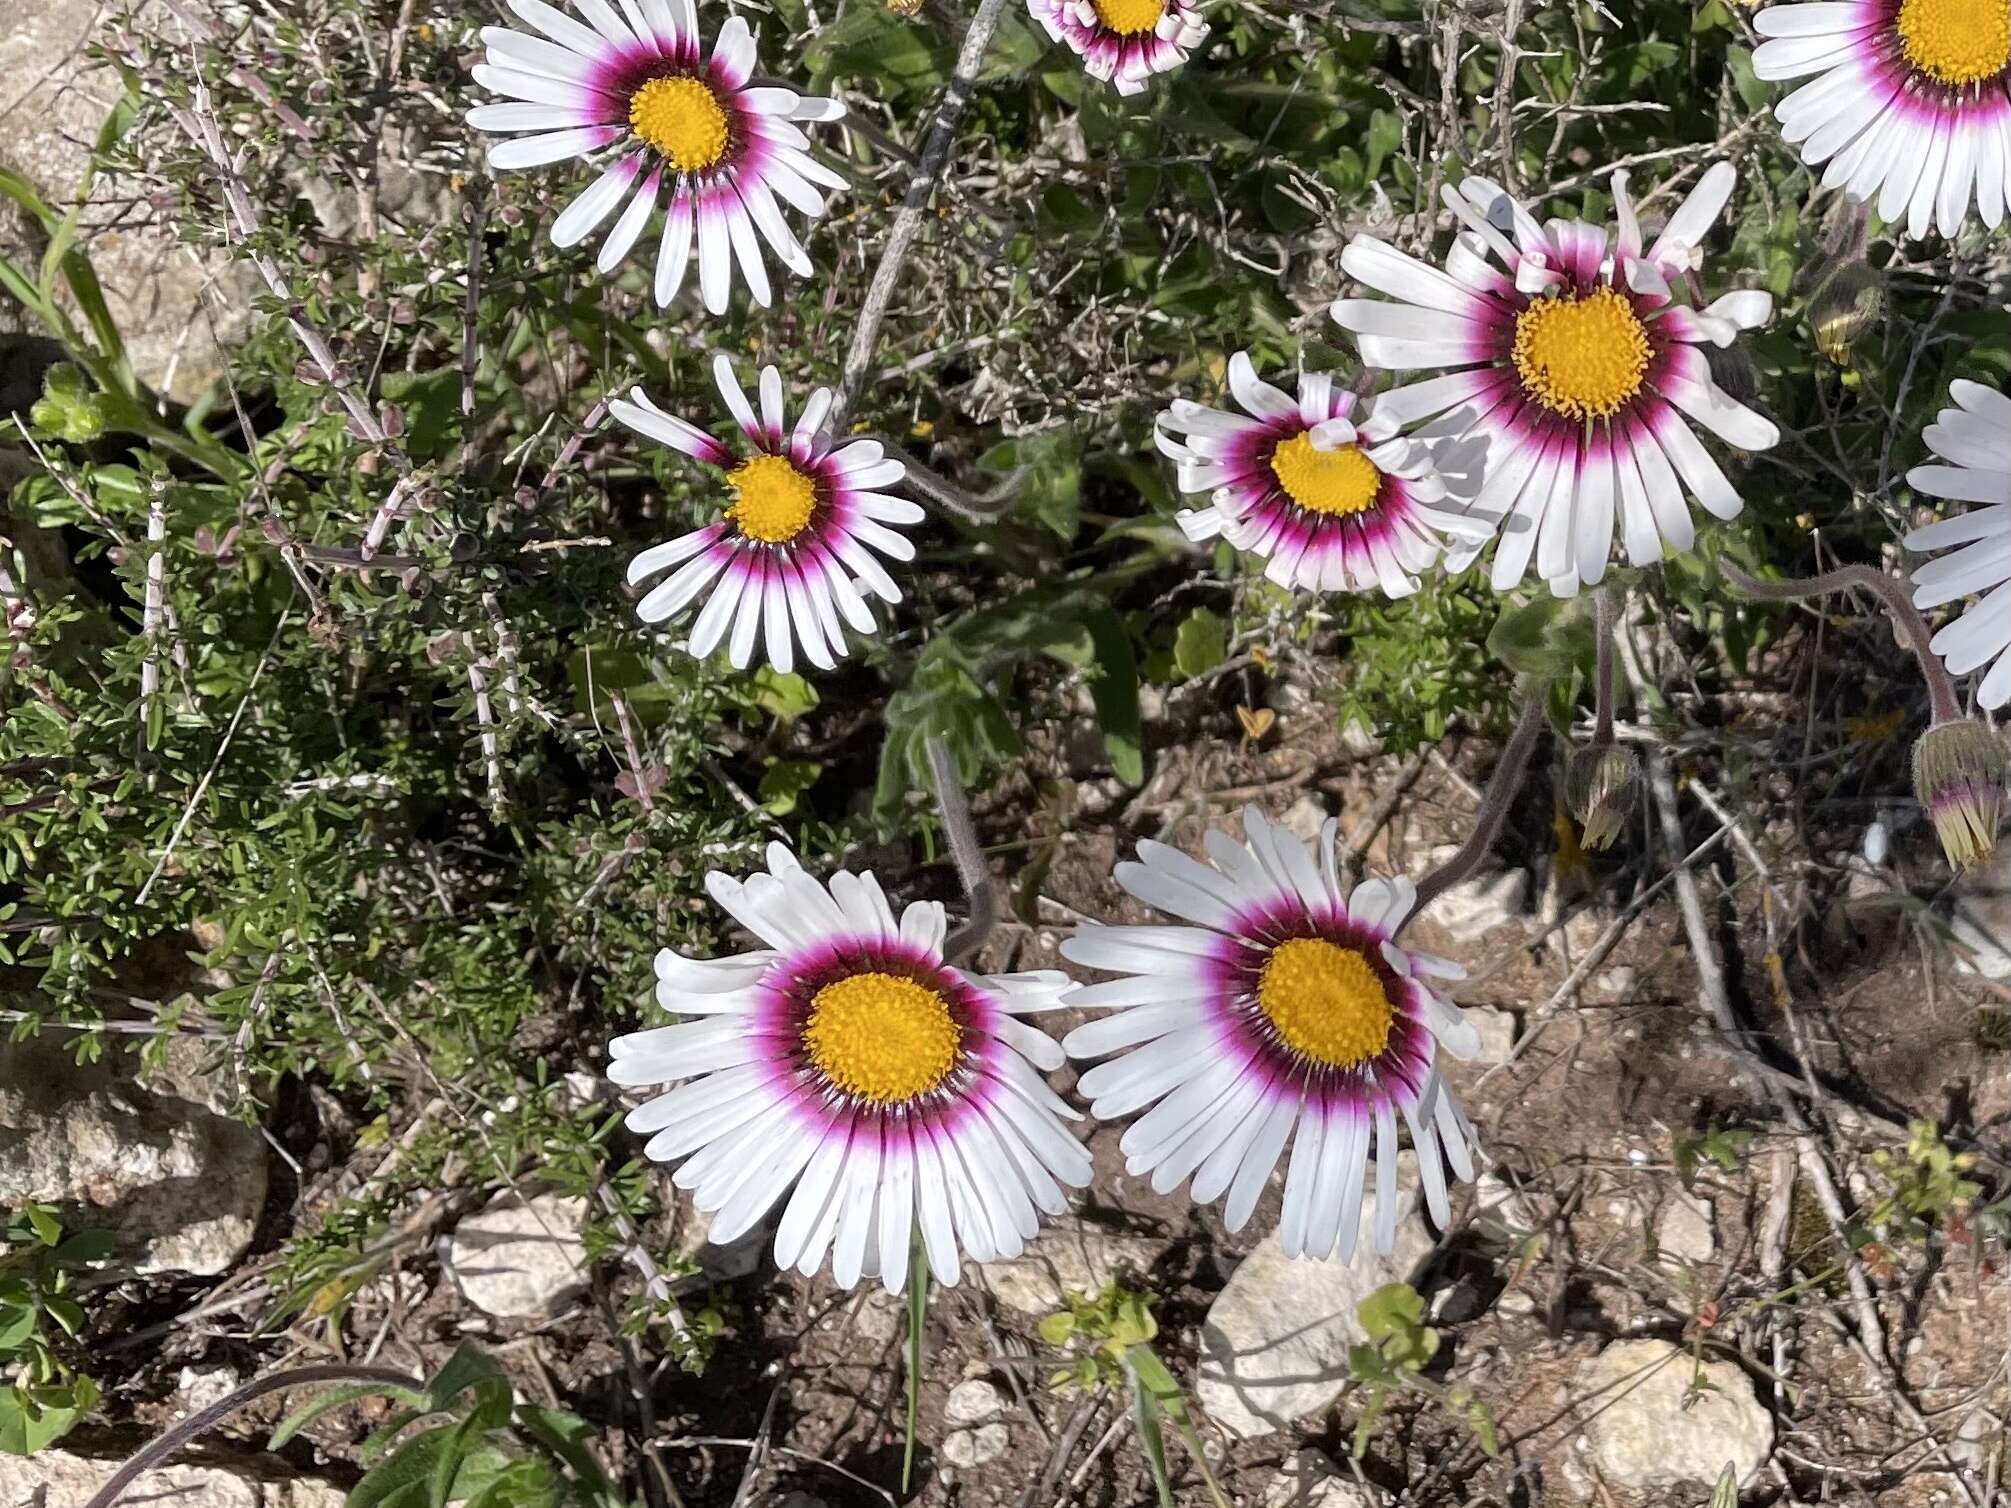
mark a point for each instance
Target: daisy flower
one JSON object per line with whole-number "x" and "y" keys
{"x": 789, "y": 557}
{"x": 1286, "y": 1011}
{"x": 691, "y": 133}
{"x": 846, "y": 1059}
{"x": 1328, "y": 507}
{"x": 1913, "y": 105}
{"x": 1574, "y": 366}
{"x": 1124, "y": 41}
{"x": 1974, "y": 439}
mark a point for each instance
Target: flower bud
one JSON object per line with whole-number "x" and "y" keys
{"x": 1845, "y": 309}
{"x": 1599, "y": 784}
{"x": 1958, "y": 773}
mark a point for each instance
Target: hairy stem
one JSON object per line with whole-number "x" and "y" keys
{"x": 908, "y": 221}
{"x": 1891, "y": 596}
{"x": 1607, "y": 623}
{"x": 972, "y": 870}
{"x": 1494, "y": 804}
{"x": 158, "y": 1452}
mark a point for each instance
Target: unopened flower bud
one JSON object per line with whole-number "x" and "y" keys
{"x": 1958, "y": 773}
{"x": 1850, "y": 304}
{"x": 1599, "y": 784}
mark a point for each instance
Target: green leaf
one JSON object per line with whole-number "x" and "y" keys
{"x": 48, "y": 1229}
{"x": 1146, "y": 1410}
{"x": 405, "y": 1476}
{"x": 1546, "y": 639}
{"x": 1114, "y": 689}
{"x": 783, "y": 693}
{"x": 1200, "y": 643}
{"x": 785, "y": 781}
{"x": 1056, "y": 1328}
{"x": 32, "y": 1417}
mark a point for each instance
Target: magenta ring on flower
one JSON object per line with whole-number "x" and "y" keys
{"x": 792, "y": 556}
{"x": 1285, "y": 1012}
{"x": 1913, "y": 105}
{"x": 846, "y": 1060}
{"x": 1123, "y": 42}
{"x": 698, "y": 129}
{"x": 1299, "y": 485}
{"x": 1578, "y": 371}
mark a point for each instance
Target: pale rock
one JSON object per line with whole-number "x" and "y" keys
{"x": 1304, "y": 818}
{"x": 1616, "y": 983}
{"x": 56, "y": 1479}
{"x": 1310, "y": 1480}
{"x": 1275, "y": 1344}
{"x": 1475, "y": 907}
{"x": 147, "y": 1155}
{"x": 1076, "y": 1257}
{"x": 879, "y": 1315}
{"x": 1498, "y": 1032}
{"x": 201, "y": 1386}
{"x": 973, "y": 1402}
{"x": 1642, "y": 1436}
{"x": 153, "y": 285}
{"x": 965, "y": 1448}
{"x": 1982, "y": 919}
{"x": 521, "y": 1260}
{"x": 1979, "y": 1437}
{"x": 1359, "y": 741}
{"x": 1499, "y": 1209}
{"x": 1684, "y": 1230}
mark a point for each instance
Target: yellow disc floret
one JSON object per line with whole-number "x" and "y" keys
{"x": 1582, "y": 357}
{"x": 1129, "y": 17}
{"x": 1342, "y": 480}
{"x": 1956, "y": 42}
{"x": 773, "y": 501}
{"x": 1326, "y": 1001}
{"x": 881, "y": 1037}
{"x": 681, "y": 118}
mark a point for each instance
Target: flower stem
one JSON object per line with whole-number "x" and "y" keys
{"x": 979, "y": 893}
{"x": 918, "y": 1311}
{"x": 1607, "y": 623}
{"x": 157, "y": 1452}
{"x": 1891, "y": 596}
{"x": 1494, "y": 804}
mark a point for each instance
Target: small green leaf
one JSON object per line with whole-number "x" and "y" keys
{"x": 1200, "y": 643}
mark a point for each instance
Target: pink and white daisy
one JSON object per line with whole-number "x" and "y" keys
{"x": 1284, "y": 1012}
{"x": 1124, "y": 41}
{"x": 791, "y": 556}
{"x": 1974, "y": 440}
{"x": 847, "y": 1060}
{"x": 1576, "y": 368}
{"x": 691, "y": 133}
{"x": 1913, "y": 104}
{"x": 1298, "y": 483}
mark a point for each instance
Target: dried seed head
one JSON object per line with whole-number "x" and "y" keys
{"x": 1958, "y": 773}
{"x": 1599, "y": 784}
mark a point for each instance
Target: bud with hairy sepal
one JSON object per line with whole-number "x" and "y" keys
{"x": 1599, "y": 784}
{"x": 1958, "y": 773}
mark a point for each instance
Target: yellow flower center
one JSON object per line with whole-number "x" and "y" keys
{"x": 1583, "y": 357}
{"x": 1956, "y": 41}
{"x": 1342, "y": 480}
{"x": 681, "y": 118}
{"x": 881, "y": 1037}
{"x": 1129, "y": 17}
{"x": 773, "y": 501}
{"x": 1326, "y": 1001}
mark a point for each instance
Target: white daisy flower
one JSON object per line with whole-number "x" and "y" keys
{"x": 1974, "y": 439}
{"x": 691, "y": 133}
{"x": 1326, "y": 506}
{"x": 846, "y": 1059}
{"x": 1575, "y": 366}
{"x": 792, "y": 553}
{"x": 1286, "y": 1012}
{"x": 1914, "y": 102}
{"x": 1124, "y": 42}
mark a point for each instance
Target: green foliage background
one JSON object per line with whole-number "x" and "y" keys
{"x": 296, "y": 846}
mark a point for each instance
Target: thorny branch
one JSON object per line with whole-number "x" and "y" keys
{"x": 908, "y": 221}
